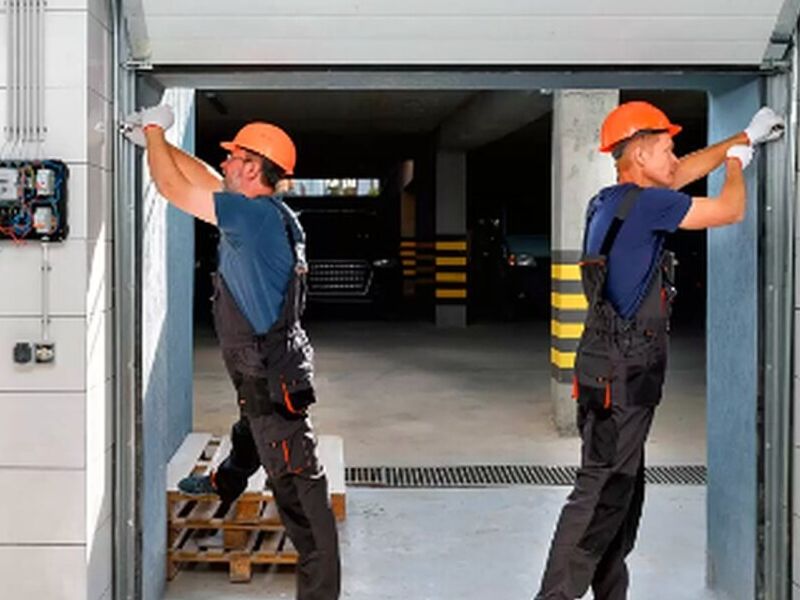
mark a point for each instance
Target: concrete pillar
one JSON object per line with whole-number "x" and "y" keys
{"x": 451, "y": 239}
{"x": 408, "y": 229}
{"x": 579, "y": 171}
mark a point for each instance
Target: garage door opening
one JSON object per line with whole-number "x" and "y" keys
{"x": 401, "y": 391}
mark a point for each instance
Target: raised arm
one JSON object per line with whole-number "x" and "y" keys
{"x": 698, "y": 164}
{"x": 730, "y": 206}
{"x": 765, "y": 126}
{"x": 172, "y": 183}
{"x": 198, "y": 172}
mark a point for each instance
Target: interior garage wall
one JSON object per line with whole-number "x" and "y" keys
{"x": 56, "y": 429}
{"x": 167, "y": 284}
{"x": 732, "y": 349}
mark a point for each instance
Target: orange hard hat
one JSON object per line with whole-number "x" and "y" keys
{"x": 628, "y": 119}
{"x": 267, "y": 140}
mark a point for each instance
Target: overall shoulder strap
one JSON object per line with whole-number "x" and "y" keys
{"x": 296, "y": 237}
{"x": 623, "y": 210}
{"x": 296, "y": 298}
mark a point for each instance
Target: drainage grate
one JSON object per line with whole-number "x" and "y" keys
{"x": 501, "y": 475}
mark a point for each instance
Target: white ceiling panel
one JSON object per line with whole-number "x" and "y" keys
{"x": 442, "y": 32}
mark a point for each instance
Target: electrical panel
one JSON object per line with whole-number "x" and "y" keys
{"x": 33, "y": 200}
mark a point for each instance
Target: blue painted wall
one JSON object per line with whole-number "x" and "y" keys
{"x": 168, "y": 280}
{"x": 180, "y": 315}
{"x": 732, "y": 348}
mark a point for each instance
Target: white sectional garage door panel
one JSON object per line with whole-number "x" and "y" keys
{"x": 387, "y": 32}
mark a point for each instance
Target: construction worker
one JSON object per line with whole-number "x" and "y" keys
{"x": 622, "y": 355}
{"x": 259, "y": 296}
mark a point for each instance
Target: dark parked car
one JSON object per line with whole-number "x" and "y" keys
{"x": 349, "y": 260}
{"x": 527, "y": 275}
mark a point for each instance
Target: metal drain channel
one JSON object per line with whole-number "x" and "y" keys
{"x": 501, "y": 475}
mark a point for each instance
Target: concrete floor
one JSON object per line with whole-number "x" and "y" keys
{"x": 477, "y": 545}
{"x": 409, "y": 394}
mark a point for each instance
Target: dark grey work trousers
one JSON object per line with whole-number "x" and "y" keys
{"x": 287, "y": 449}
{"x": 598, "y": 524}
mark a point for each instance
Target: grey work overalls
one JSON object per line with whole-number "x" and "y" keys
{"x": 272, "y": 374}
{"x": 619, "y": 373}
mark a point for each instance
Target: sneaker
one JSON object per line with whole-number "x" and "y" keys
{"x": 197, "y": 485}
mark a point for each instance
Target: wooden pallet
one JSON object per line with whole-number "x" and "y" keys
{"x": 260, "y": 548}
{"x": 249, "y": 531}
{"x": 201, "y": 452}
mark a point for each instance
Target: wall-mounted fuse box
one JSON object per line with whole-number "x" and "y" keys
{"x": 33, "y": 200}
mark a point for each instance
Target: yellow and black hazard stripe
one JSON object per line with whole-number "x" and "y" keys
{"x": 451, "y": 270}
{"x": 408, "y": 258}
{"x": 418, "y": 261}
{"x": 568, "y": 313}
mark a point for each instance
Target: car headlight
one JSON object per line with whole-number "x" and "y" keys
{"x": 383, "y": 263}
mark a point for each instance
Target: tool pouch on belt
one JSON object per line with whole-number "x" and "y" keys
{"x": 594, "y": 375}
{"x": 595, "y": 359}
{"x": 271, "y": 372}
{"x": 595, "y": 386}
{"x": 290, "y": 371}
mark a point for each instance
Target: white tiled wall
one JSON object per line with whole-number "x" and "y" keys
{"x": 44, "y": 506}
{"x": 52, "y": 572}
{"x": 59, "y": 418}
{"x": 22, "y": 265}
{"x": 56, "y": 428}
{"x": 66, "y": 374}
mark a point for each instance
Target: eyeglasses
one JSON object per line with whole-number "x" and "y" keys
{"x": 230, "y": 156}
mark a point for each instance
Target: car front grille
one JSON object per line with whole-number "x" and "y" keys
{"x": 349, "y": 278}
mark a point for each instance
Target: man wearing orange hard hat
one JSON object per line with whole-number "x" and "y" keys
{"x": 622, "y": 355}
{"x": 259, "y": 298}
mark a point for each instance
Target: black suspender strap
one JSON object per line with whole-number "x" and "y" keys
{"x": 285, "y": 218}
{"x": 300, "y": 265}
{"x": 623, "y": 210}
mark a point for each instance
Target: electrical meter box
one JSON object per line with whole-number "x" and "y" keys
{"x": 33, "y": 200}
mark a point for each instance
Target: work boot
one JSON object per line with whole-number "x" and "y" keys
{"x": 198, "y": 485}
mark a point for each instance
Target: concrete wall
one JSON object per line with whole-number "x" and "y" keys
{"x": 56, "y": 430}
{"x": 732, "y": 349}
{"x": 167, "y": 284}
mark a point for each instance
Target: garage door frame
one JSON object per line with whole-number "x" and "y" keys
{"x": 777, "y": 182}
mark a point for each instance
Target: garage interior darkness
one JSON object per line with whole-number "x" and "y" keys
{"x": 392, "y": 137}
{"x": 373, "y": 327}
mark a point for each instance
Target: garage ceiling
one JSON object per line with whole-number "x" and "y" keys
{"x": 332, "y": 112}
{"x": 471, "y": 32}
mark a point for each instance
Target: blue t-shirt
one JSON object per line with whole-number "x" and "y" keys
{"x": 640, "y": 241}
{"x": 256, "y": 259}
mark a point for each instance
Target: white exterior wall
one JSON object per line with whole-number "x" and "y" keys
{"x": 56, "y": 435}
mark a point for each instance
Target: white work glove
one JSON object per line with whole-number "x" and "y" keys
{"x": 765, "y": 126}
{"x": 134, "y": 124}
{"x": 742, "y": 152}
